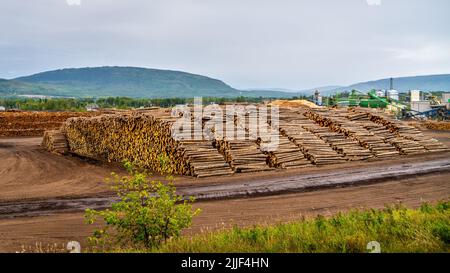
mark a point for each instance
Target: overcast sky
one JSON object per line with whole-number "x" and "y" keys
{"x": 292, "y": 44}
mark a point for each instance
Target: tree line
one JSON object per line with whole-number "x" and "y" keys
{"x": 80, "y": 104}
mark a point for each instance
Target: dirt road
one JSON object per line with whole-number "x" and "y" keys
{"x": 268, "y": 186}
{"x": 28, "y": 172}
{"x": 61, "y": 228}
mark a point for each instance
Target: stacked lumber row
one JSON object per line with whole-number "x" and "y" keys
{"x": 413, "y": 134}
{"x": 408, "y": 139}
{"x": 337, "y": 121}
{"x": 288, "y": 155}
{"x": 55, "y": 141}
{"x": 243, "y": 154}
{"x": 282, "y": 153}
{"x": 200, "y": 153}
{"x": 144, "y": 140}
{"x": 292, "y": 125}
{"x": 139, "y": 138}
{"x": 403, "y": 145}
{"x": 314, "y": 148}
{"x": 203, "y": 159}
{"x": 438, "y": 125}
{"x": 34, "y": 123}
{"x": 350, "y": 148}
{"x": 147, "y": 141}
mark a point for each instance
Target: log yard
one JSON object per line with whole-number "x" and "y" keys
{"x": 326, "y": 160}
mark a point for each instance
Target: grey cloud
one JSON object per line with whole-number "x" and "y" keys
{"x": 247, "y": 43}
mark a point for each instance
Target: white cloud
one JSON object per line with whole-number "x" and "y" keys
{"x": 427, "y": 53}
{"x": 73, "y": 2}
{"x": 373, "y": 2}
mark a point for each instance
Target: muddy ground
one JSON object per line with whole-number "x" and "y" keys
{"x": 30, "y": 174}
{"x": 216, "y": 215}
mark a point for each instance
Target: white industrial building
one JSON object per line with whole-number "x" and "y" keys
{"x": 446, "y": 98}
{"x": 381, "y": 93}
{"x": 420, "y": 106}
{"x": 415, "y": 95}
{"x": 2, "y": 109}
{"x": 392, "y": 94}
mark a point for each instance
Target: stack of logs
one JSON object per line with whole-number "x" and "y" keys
{"x": 34, "y": 123}
{"x": 139, "y": 138}
{"x": 239, "y": 146}
{"x": 292, "y": 125}
{"x": 301, "y": 138}
{"x": 203, "y": 159}
{"x": 287, "y": 155}
{"x": 408, "y": 138}
{"x": 337, "y": 122}
{"x": 348, "y": 147}
{"x": 55, "y": 142}
{"x": 243, "y": 155}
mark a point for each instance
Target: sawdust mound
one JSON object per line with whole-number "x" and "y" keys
{"x": 294, "y": 103}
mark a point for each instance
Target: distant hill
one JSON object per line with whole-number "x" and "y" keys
{"x": 154, "y": 83}
{"x": 404, "y": 84}
{"x": 13, "y": 87}
{"x": 120, "y": 81}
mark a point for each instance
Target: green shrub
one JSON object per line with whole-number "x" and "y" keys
{"x": 147, "y": 214}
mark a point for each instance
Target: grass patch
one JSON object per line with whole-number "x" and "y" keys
{"x": 397, "y": 229}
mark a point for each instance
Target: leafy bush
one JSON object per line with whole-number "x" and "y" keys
{"x": 147, "y": 214}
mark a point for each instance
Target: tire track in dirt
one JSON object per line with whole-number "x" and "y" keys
{"x": 292, "y": 184}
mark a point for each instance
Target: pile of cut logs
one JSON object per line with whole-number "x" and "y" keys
{"x": 409, "y": 140}
{"x": 315, "y": 149}
{"x": 350, "y": 148}
{"x": 302, "y": 137}
{"x": 34, "y": 123}
{"x": 287, "y": 155}
{"x": 204, "y": 159}
{"x": 243, "y": 155}
{"x": 55, "y": 142}
{"x": 367, "y": 139}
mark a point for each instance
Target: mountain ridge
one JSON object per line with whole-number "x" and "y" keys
{"x": 435, "y": 82}
{"x": 138, "y": 82}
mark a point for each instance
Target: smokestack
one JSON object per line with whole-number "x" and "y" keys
{"x": 392, "y": 84}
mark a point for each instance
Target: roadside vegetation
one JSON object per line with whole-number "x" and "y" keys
{"x": 150, "y": 217}
{"x": 397, "y": 229}
{"x": 148, "y": 214}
